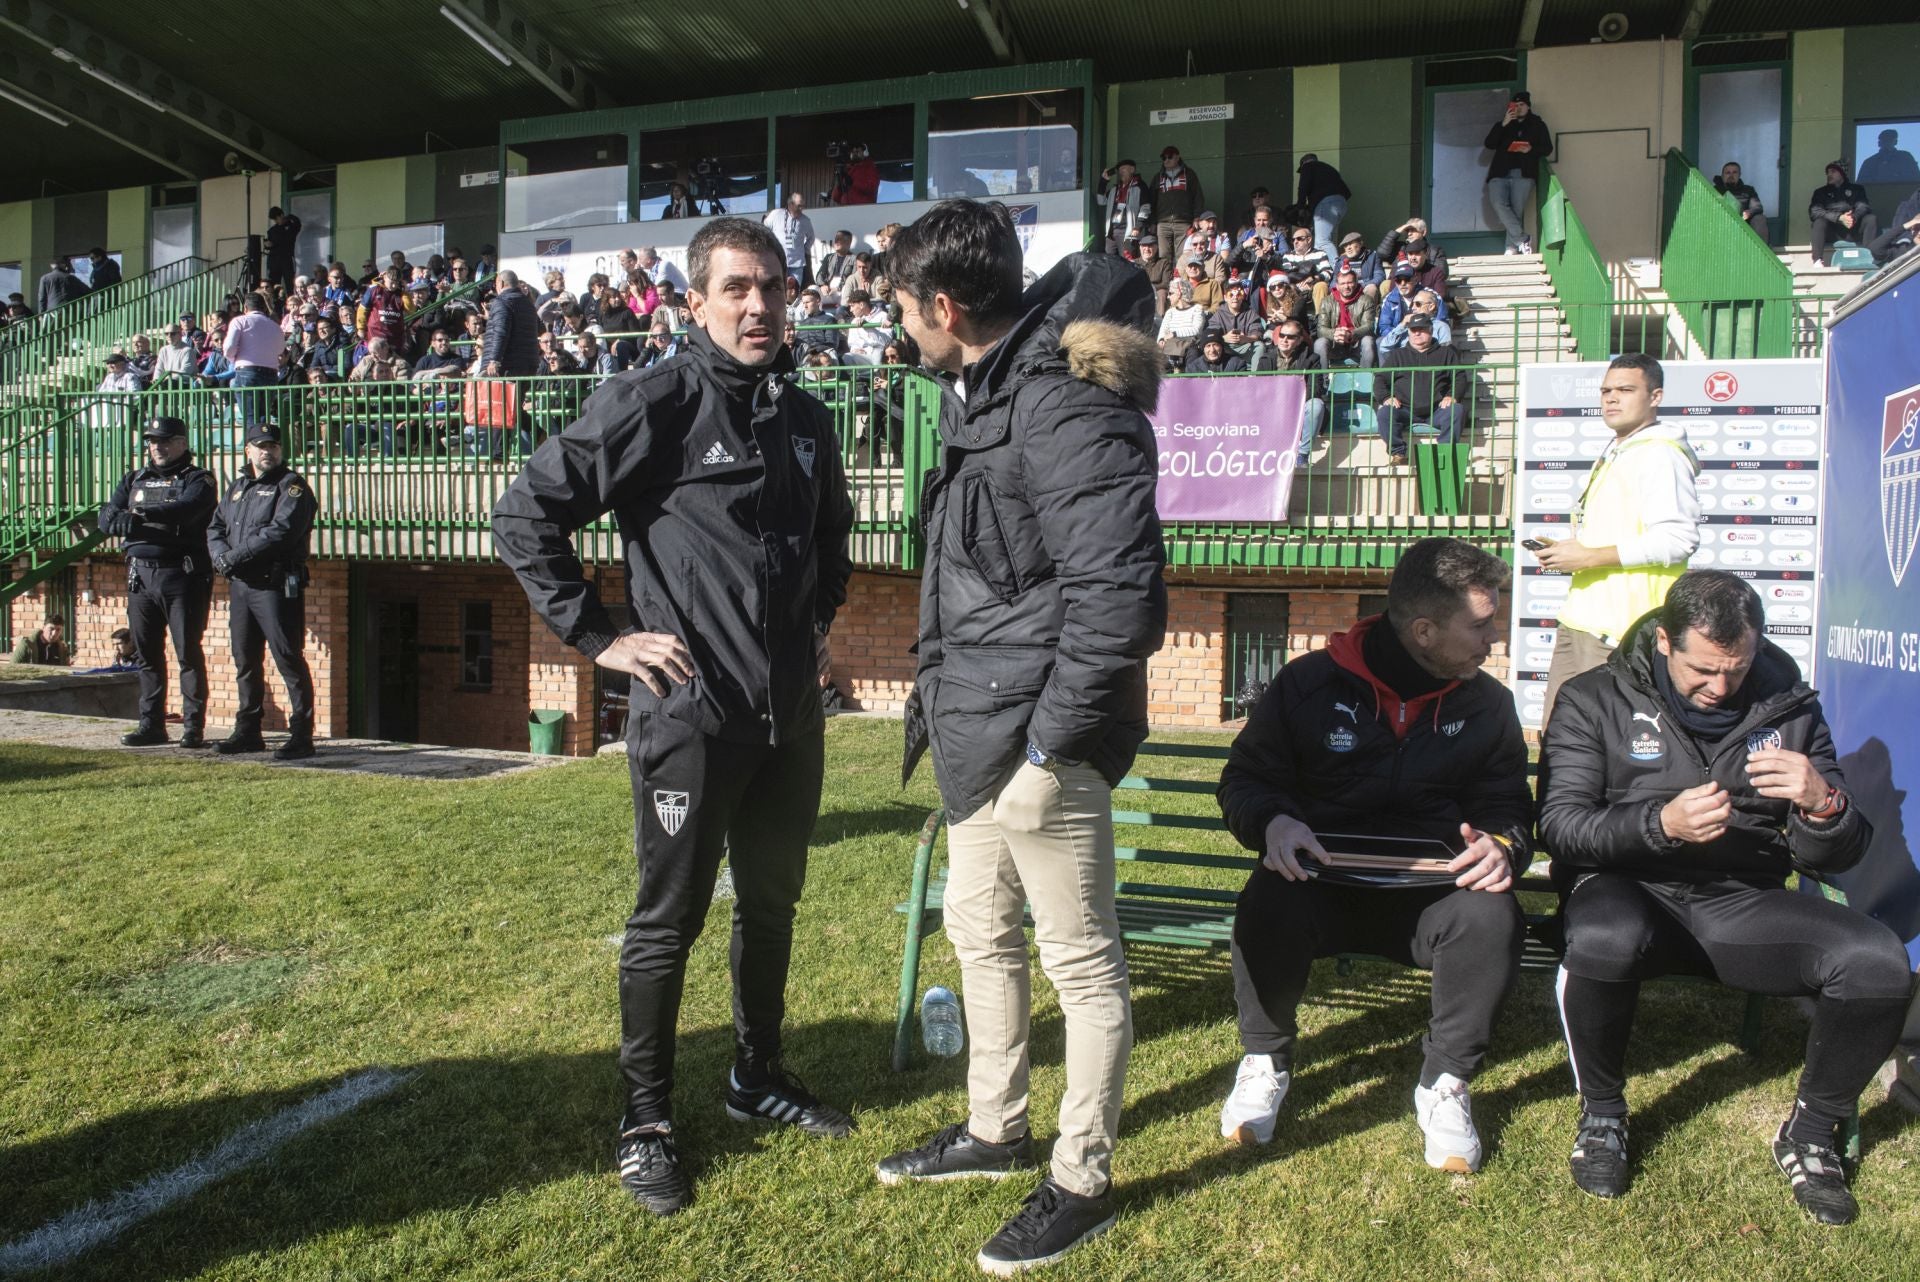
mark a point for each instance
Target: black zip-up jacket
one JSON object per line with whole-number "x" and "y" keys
{"x": 1529, "y": 129}
{"x": 1331, "y": 745}
{"x": 1423, "y": 390}
{"x": 163, "y": 512}
{"x": 513, "y": 334}
{"x": 1042, "y": 596}
{"x": 1831, "y": 202}
{"x": 1613, "y": 757}
{"x": 263, "y": 526}
{"x": 727, "y": 487}
{"x": 1319, "y": 180}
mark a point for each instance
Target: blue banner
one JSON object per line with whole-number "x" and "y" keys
{"x": 1868, "y": 666}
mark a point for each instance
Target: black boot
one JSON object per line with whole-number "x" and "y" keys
{"x": 144, "y": 737}
{"x": 240, "y": 742}
{"x": 298, "y": 747}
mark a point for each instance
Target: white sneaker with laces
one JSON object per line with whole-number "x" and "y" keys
{"x": 1252, "y": 1109}
{"x": 1445, "y": 1113}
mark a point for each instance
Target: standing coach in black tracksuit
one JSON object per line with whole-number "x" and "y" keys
{"x": 259, "y": 539}
{"x": 162, "y": 511}
{"x": 726, "y": 482}
{"x": 1680, "y": 783}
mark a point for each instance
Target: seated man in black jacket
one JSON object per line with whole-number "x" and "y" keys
{"x": 1418, "y": 384}
{"x": 1392, "y": 731}
{"x": 1840, "y": 211}
{"x": 1665, "y": 874}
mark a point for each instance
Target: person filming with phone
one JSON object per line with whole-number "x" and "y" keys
{"x": 1519, "y": 142}
{"x": 1637, "y": 522}
{"x": 1391, "y": 737}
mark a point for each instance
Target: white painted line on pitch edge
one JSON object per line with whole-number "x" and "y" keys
{"x": 88, "y": 1226}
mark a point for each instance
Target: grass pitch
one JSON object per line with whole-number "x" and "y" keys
{"x": 188, "y": 947}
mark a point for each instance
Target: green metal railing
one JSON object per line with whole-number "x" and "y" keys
{"x": 50, "y": 491}
{"x": 44, "y": 325}
{"x": 1732, "y": 289}
{"x": 1574, "y": 266}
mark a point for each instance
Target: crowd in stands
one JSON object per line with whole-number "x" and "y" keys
{"x": 1840, "y": 210}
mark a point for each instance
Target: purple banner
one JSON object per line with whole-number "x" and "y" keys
{"x": 1227, "y": 446}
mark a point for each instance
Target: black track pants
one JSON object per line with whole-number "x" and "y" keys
{"x": 170, "y": 599}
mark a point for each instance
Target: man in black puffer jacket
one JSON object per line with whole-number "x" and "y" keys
{"x": 1040, "y": 603}
{"x": 1680, "y": 784}
{"x": 1392, "y": 731}
{"x": 512, "y": 345}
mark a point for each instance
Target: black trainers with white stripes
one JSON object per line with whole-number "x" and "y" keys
{"x": 1599, "y": 1161}
{"x": 1819, "y": 1180}
{"x": 650, "y": 1168}
{"x": 782, "y": 1100}
{"x": 954, "y": 1153}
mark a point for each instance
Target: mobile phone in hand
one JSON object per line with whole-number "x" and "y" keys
{"x": 1536, "y": 545}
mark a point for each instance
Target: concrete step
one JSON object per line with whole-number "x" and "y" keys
{"x": 1496, "y": 274}
{"x": 1494, "y": 260}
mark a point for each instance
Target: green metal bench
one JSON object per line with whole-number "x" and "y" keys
{"x": 1198, "y": 913}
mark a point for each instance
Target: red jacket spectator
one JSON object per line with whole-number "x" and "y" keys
{"x": 862, "y": 183}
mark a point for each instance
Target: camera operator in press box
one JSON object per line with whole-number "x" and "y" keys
{"x": 856, "y": 179}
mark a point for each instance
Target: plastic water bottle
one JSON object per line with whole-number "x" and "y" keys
{"x": 940, "y": 1027}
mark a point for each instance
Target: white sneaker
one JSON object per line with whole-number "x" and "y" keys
{"x": 1446, "y": 1116}
{"x": 1253, "y": 1107}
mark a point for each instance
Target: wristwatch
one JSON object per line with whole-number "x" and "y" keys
{"x": 1037, "y": 756}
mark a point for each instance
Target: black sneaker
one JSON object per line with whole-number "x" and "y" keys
{"x": 783, "y": 1100}
{"x": 298, "y": 748}
{"x": 650, "y": 1168}
{"x": 955, "y": 1154}
{"x": 192, "y": 739}
{"x": 1050, "y": 1223}
{"x": 144, "y": 737}
{"x": 1599, "y": 1161}
{"x": 235, "y": 744}
{"x": 1819, "y": 1181}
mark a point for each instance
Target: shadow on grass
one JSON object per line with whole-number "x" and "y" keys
{"x": 458, "y": 1133}
{"x": 20, "y": 768}
{"x": 899, "y": 819}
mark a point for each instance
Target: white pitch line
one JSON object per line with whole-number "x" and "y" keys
{"x": 88, "y": 1226}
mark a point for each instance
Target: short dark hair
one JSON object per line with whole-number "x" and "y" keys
{"x": 742, "y": 234}
{"x": 1432, "y": 579}
{"x": 54, "y": 617}
{"x": 965, "y": 249}
{"x": 275, "y": 212}
{"x": 1649, "y": 368}
{"x": 117, "y": 633}
{"x": 1721, "y": 607}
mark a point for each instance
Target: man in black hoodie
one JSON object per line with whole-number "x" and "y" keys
{"x": 726, "y": 483}
{"x": 1040, "y": 603}
{"x": 1664, "y": 873}
{"x": 1392, "y": 731}
{"x": 1840, "y": 211}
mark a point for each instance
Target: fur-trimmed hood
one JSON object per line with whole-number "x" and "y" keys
{"x": 1095, "y": 311}
{"x": 1117, "y": 357}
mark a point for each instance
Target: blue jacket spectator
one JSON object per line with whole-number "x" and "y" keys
{"x": 513, "y": 331}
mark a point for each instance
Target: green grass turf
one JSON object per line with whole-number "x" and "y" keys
{"x": 186, "y": 947}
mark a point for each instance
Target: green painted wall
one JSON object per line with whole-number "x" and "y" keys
{"x": 421, "y": 172}
{"x": 16, "y": 243}
{"x": 1203, "y": 146}
{"x": 1259, "y": 141}
{"x": 1380, "y": 137}
{"x": 367, "y": 194}
{"x": 1818, "y": 122}
{"x": 1316, "y": 113}
{"x": 127, "y": 229}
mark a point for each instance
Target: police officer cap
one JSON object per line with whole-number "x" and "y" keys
{"x": 164, "y": 428}
{"x": 263, "y": 434}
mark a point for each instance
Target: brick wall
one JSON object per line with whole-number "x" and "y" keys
{"x": 495, "y": 717}
{"x": 873, "y": 663}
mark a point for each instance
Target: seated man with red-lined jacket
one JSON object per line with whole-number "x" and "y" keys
{"x": 1392, "y": 731}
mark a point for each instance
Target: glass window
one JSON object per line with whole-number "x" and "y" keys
{"x": 10, "y": 284}
{"x": 476, "y": 645}
{"x": 314, "y": 209}
{"x": 575, "y": 182}
{"x": 711, "y": 169}
{"x": 172, "y": 235}
{"x": 1885, "y": 151}
{"x": 847, "y": 157}
{"x": 83, "y": 266}
{"x": 1004, "y": 145}
{"x": 417, "y": 241}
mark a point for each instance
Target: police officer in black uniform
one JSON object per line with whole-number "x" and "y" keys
{"x": 258, "y": 540}
{"x": 726, "y": 482}
{"x": 162, "y": 511}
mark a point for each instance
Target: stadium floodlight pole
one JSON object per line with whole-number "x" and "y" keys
{"x": 474, "y": 34}
{"x": 30, "y": 105}
{"x": 112, "y": 82}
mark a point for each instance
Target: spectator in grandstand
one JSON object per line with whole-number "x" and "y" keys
{"x": 594, "y": 359}
{"x": 1392, "y": 247}
{"x": 882, "y": 242}
{"x": 1260, "y": 245}
{"x": 176, "y": 359}
{"x": 679, "y": 202}
{"x": 103, "y": 272}
{"x": 1840, "y": 211}
{"x": 381, "y": 364}
{"x": 674, "y": 304}
{"x": 794, "y": 230}
{"x": 643, "y": 298}
{"x": 1256, "y": 197}
{"x": 1180, "y": 323}
{"x": 283, "y": 234}
{"x": 1363, "y": 262}
{"x": 836, "y": 266}
{"x": 141, "y": 357}
{"x": 1345, "y": 321}
{"x": 1158, "y": 270}
{"x": 1324, "y": 194}
{"x": 441, "y": 360}
{"x": 1177, "y": 201}
{"x": 661, "y": 344}
{"x": 1292, "y": 352}
{"x": 1427, "y": 274}
{"x": 484, "y": 269}
{"x": 871, "y": 333}
{"x": 1410, "y": 390}
{"x": 1519, "y": 142}
{"x": 1397, "y": 303}
{"x": 552, "y": 304}
{"x": 858, "y": 181}
{"x": 1349, "y": 740}
{"x": 1238, "y": 323}
{"x": 1206, "y": 288}
{"x": 1637, "y": 523}
{"x": 383, "y": 310}
{"x": 60, "y": 285}
{"x": 1680, "y": 786}
{"x": 1305, "y": 265}
{"x": 1889, "y": 164}
{"x": 1424, "y": 303}
{"x": 120, "y": 375}
{"x": 1899, "y": 238}
{"x": 1209, "y": 244}
{"x": 17, "y": 309}
{"x": 659, "y": 270}
{"x": 1745, "y": 198}
{"x": 44, "y": 646}
{"x": 1127, "y": 206}
{"x": 1213, "y": 356}
{"x": 1280, "y": 300}
{"x": 339, "y": 289}
{"x": 512, "y": 346}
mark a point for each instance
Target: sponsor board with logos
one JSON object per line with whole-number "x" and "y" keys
{"x": 1757, "y": 429}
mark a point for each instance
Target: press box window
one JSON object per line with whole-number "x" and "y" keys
{"x": 476, "y": 645}
{"x": 1004, "y": 145}
{"x": 813, "y": 152}
{"x": 722, "y": 169}
{"x": 573, "y": 182}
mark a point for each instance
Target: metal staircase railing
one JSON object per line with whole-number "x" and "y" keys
{"x": 53, "y": 481}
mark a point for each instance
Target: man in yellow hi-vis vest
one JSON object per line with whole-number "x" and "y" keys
{"x": 1636, "y": 523}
